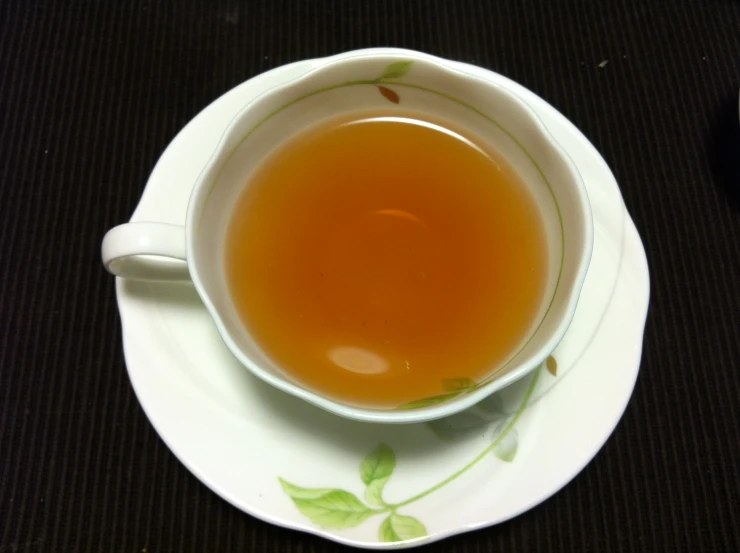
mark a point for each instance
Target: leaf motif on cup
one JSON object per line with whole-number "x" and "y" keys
{"x": 388, "y": 94}
{"x": 396, "y": 70}
{"x": 453, "y": 387}
{"x": 428, "y": 401}
{"x": 551, "y": 365}
{"x": 458, "y": 384}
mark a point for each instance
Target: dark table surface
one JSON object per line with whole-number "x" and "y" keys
{"x": 92, "y": 92}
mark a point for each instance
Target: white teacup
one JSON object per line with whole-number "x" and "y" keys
{"x": 358, "y": 81}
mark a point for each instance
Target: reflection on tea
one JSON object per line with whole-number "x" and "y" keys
{"x": 373, "y": 257}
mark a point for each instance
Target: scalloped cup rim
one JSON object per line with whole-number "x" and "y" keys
{"x": 464, "y": 401}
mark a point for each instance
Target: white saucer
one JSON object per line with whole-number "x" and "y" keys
{"x": 241, "y": 437}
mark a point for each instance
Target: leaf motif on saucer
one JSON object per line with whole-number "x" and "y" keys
{"x": 375, "y": 471}
{"x": 400, "y": 528}
{"x": 508, "y": 445}
{"x": 327, "y": 507}
{"x": 470, "y": 422}
{"x": 335, "y": 508}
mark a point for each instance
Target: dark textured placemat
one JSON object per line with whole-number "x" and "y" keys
{"x": 92, "y": 92}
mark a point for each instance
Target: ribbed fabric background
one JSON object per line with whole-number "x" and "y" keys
{"x": 92, "y": 92}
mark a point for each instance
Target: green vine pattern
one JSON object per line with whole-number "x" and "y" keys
{"x": 333, "y": 508}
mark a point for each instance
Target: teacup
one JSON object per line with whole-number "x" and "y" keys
{"x": 367, "y": 80}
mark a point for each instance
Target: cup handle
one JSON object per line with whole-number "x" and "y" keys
{"x": 146, "y": 251}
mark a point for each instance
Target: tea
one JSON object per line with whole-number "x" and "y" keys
{"x": 377, "y": 256}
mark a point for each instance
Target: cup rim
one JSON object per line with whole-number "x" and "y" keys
{"x": 219, "y": 158}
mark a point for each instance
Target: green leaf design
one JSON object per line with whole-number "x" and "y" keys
{"x": 334, "y": 508}
{"x": 374, "y": 492}
{"x": 401, "y": 528}
{"x": 396, "y": 70}
{"x": 375, "y": 471}
{"x": 428, "y": 401}
{"x": 296, "y": 492}
{"x": 506, "y": 450}
{"x": 378, "y": 464}
{"x": 327, "y": 507}
{"x": 458, "y": 384}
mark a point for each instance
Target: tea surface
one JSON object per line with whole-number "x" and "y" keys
{"x": 375, "y": 257}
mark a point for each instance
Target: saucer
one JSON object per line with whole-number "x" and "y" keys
{"x": 383, "y": 486}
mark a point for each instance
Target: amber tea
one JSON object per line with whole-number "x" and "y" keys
{"x": 377, "y": 257}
